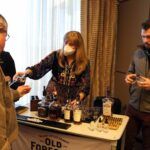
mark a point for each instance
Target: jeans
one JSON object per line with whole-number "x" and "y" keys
{"x": 138, "y": 121}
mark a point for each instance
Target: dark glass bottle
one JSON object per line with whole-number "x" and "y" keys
{"x": 54, "y": 108}
{"x": 20, "y": 80}
{"x": 34, "y": 103}
{"x": 43, "y": 106}
{"x": 44, "y": 91}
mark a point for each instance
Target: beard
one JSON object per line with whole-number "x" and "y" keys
{"x": 147, "y": 46}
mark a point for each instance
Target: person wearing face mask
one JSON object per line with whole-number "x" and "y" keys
{"x": 138, "y": 78}
{"x": 70, "y": 70}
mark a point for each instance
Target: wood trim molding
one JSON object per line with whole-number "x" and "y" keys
{"x": 122, "y": 1}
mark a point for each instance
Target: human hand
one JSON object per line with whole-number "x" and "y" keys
{"x": 7, "y": 78}
{"x": 20, "y": 74}
{"x": 73, "y": 103}
{"x": 130, "y": 78}
{"x": 24, "y": 89}
{"x": 144, "y": 83}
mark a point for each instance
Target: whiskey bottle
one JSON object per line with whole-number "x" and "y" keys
{"x": 68, "y": 112}
{"x": 77, "y": 113}
{"x": 44, "y": 91}
{"x": 54, "y": 108}
{"x": 107, "y": 104}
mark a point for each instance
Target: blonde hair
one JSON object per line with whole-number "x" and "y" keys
{"x": 74, "y": 38}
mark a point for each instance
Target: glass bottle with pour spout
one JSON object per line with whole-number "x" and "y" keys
{"x": 54, "y": 112}
{"x": 20, "y": 80}
{"x": 43, "y": 105}
{"x": 68, "y": 113}
{"x": 77, "y": 112}
{"x": 107, "y": 104}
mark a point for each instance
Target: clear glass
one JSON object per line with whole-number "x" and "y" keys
{"x": 107, "y": 106}
{"x": 91, "y": 113}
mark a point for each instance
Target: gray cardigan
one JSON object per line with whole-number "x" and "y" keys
{"x": 140, "y": 98}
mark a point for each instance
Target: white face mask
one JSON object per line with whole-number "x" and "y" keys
{"x": 68, "y": 50}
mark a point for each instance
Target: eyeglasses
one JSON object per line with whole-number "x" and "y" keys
{"x": 145, "y": 36}
{"x": 7, "y": 37}
{"x": 4, "y": 31}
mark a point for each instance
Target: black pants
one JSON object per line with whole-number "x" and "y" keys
{"x": 137, "y": 121}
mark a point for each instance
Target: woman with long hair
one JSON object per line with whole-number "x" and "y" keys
{"x": 70, "y": 70}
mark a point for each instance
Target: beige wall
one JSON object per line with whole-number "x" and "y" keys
{"x": 131, "y": 14}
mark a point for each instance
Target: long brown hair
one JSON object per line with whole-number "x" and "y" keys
{"x": 74, "y": 38}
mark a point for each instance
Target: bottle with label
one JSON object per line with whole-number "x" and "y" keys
{"x": 107, "y": 104}
{"x": 77, "y": 113}
{"x": 43, "y": 105}
{"x": 43, "y": 108}
{"x": 34, "y": 103}
{"x": 68, "y": 112}
{"x": 54, "y": 108}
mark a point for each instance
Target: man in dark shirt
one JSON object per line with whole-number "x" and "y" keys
{"x": 6, "y": 61}
{"x": 138, "y": 78}
{"x": 8, "y": 122}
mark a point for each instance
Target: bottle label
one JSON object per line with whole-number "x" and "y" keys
{"x": 77, "y": 115}
{"x": 107, "y": 108}
{"x": 67, "y": 114}
{"x": 42, "y": 112}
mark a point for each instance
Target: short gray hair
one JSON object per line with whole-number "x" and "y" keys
{"x": 3, "y": 24}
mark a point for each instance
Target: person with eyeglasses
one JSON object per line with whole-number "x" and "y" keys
{"x": 8, "y": 122}
{"x": 138, "y": 78}
{"x": 6, "y": 61}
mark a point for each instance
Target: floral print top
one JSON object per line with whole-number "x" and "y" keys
{"x": 64, "y": 80}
